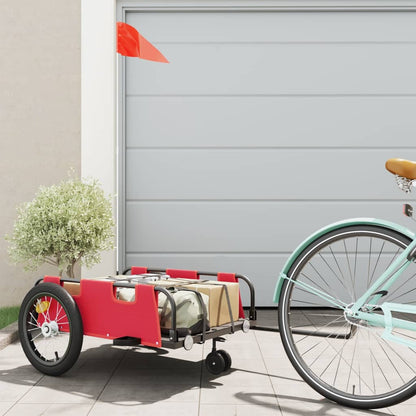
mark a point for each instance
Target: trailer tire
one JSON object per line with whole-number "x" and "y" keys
{"x": 215, "y": 363}
{"x": 227, "y": 359}
{"x": 50, "y": 329}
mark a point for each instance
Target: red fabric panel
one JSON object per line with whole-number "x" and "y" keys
{"x": 52, "y": 279}
{"x": 148, "y": 325}
{"x": 138, "y": 270}
{"x": 184, "y": 274}
{"x": 230, "y": 277}
{"x": 104, "y": 316}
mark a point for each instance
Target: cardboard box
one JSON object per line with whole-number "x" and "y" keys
{"x": 218, "y": 312}
{"x": 73, "y": 288}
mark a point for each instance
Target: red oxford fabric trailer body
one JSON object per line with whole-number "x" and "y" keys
{"x": 56, "y": 313}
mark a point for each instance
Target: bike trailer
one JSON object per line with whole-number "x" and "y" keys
{"x": 151, "y": 308}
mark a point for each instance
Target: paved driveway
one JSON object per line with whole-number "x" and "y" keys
{"x": 134, "y": 381}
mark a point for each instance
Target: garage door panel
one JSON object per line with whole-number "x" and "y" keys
{"x": 277, "y": 69}
{"x": 166, "y": 27}
{"x": 263, "y": 270}
{"x": 261, "y": 174}
{"x": 272, "y": 121}
{"x": 264, "y": 127}
{"x": 226, "y": 227}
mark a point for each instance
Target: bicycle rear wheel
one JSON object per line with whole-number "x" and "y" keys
{"x": 348, "y": 362}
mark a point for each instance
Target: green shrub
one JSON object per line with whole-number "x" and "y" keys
{"x": 64, "y": 224}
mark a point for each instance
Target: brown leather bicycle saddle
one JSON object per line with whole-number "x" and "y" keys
{"x": 402, "y": 167}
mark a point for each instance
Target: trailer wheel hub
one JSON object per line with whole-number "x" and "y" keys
{"x": 49, "y": 329}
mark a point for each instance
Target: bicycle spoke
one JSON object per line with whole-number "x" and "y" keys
{"x": 37, "y": 336}
{"x": 335, "y": 356}
{"x": 320, "y": 276}
{"x": 47, "y": 309}
{"x": 306, "y": 302}
{"x": 316, "y": 284}
{"x": 391, "y": 362}
{"x": 369, "y": 262}
{"x": 355, "y": 261}
{"x": 372, "y": 366}
{"x": 31, "y": 314}
{"x": 381, "y": 370}
{"x": 339, "y": 303}
{"x": 319, "y": 330}
{"x": 334, "y": 273}
{"x": 333, "y": 359}
{"x": 349, "y": 269}
{"x": 34, "y": 329}
{"x": 408, "y": 280}
{"x": 352, "y": 362}
{"x": 406, "y": 293}
{"x": 58, "y": 311}
{"x": 317, "y": 358}
{"x": 310, "y": 349}
{"x": 394, "y": 258}
{"x": 375, "y": 267}
{"x": 340, "y": 270}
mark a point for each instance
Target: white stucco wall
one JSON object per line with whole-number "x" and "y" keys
{"x": 40, "y": 81}
{"x": 98, "y": 104}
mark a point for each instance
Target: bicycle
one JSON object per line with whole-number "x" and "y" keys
{"x": 347, "y": 306}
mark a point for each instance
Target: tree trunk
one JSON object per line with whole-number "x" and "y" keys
{"x": 70, "y": 271}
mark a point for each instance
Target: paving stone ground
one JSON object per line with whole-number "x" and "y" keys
{"x": 128, "y": 381}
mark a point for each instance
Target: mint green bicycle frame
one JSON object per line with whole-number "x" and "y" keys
{"x": 372, "y": 296}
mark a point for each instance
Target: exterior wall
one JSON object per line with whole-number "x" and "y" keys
{"x": 98, "y": 103}
{"x": 40, "y": 116}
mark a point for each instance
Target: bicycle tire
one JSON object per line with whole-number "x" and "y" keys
{"x": 358, "y": 370}
{"x": 50, "y": 329}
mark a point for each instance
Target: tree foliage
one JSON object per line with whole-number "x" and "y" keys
{"x": 64, "y": 224}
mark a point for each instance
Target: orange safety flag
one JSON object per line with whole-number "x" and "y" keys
{"x": 131, "y": 43}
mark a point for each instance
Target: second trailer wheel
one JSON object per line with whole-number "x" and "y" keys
{"x": 215, "y": 363}
{"x": 227, "y": 359}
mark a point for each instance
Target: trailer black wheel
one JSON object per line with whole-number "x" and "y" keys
{"x": 50, "y": 329}
{"x": 227, "y": 359}
{"x": 215, "y": 362}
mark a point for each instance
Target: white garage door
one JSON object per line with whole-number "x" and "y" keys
{"x": 264, "y": 127}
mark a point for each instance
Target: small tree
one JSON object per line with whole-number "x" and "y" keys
{"x": 64, "y": 225}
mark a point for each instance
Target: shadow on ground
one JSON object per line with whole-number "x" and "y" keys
{"x": 134, "y": 376}
{"x": 289, "y": 405}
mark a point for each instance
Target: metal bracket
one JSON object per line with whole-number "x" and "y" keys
{"x": 408, "y": 210}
